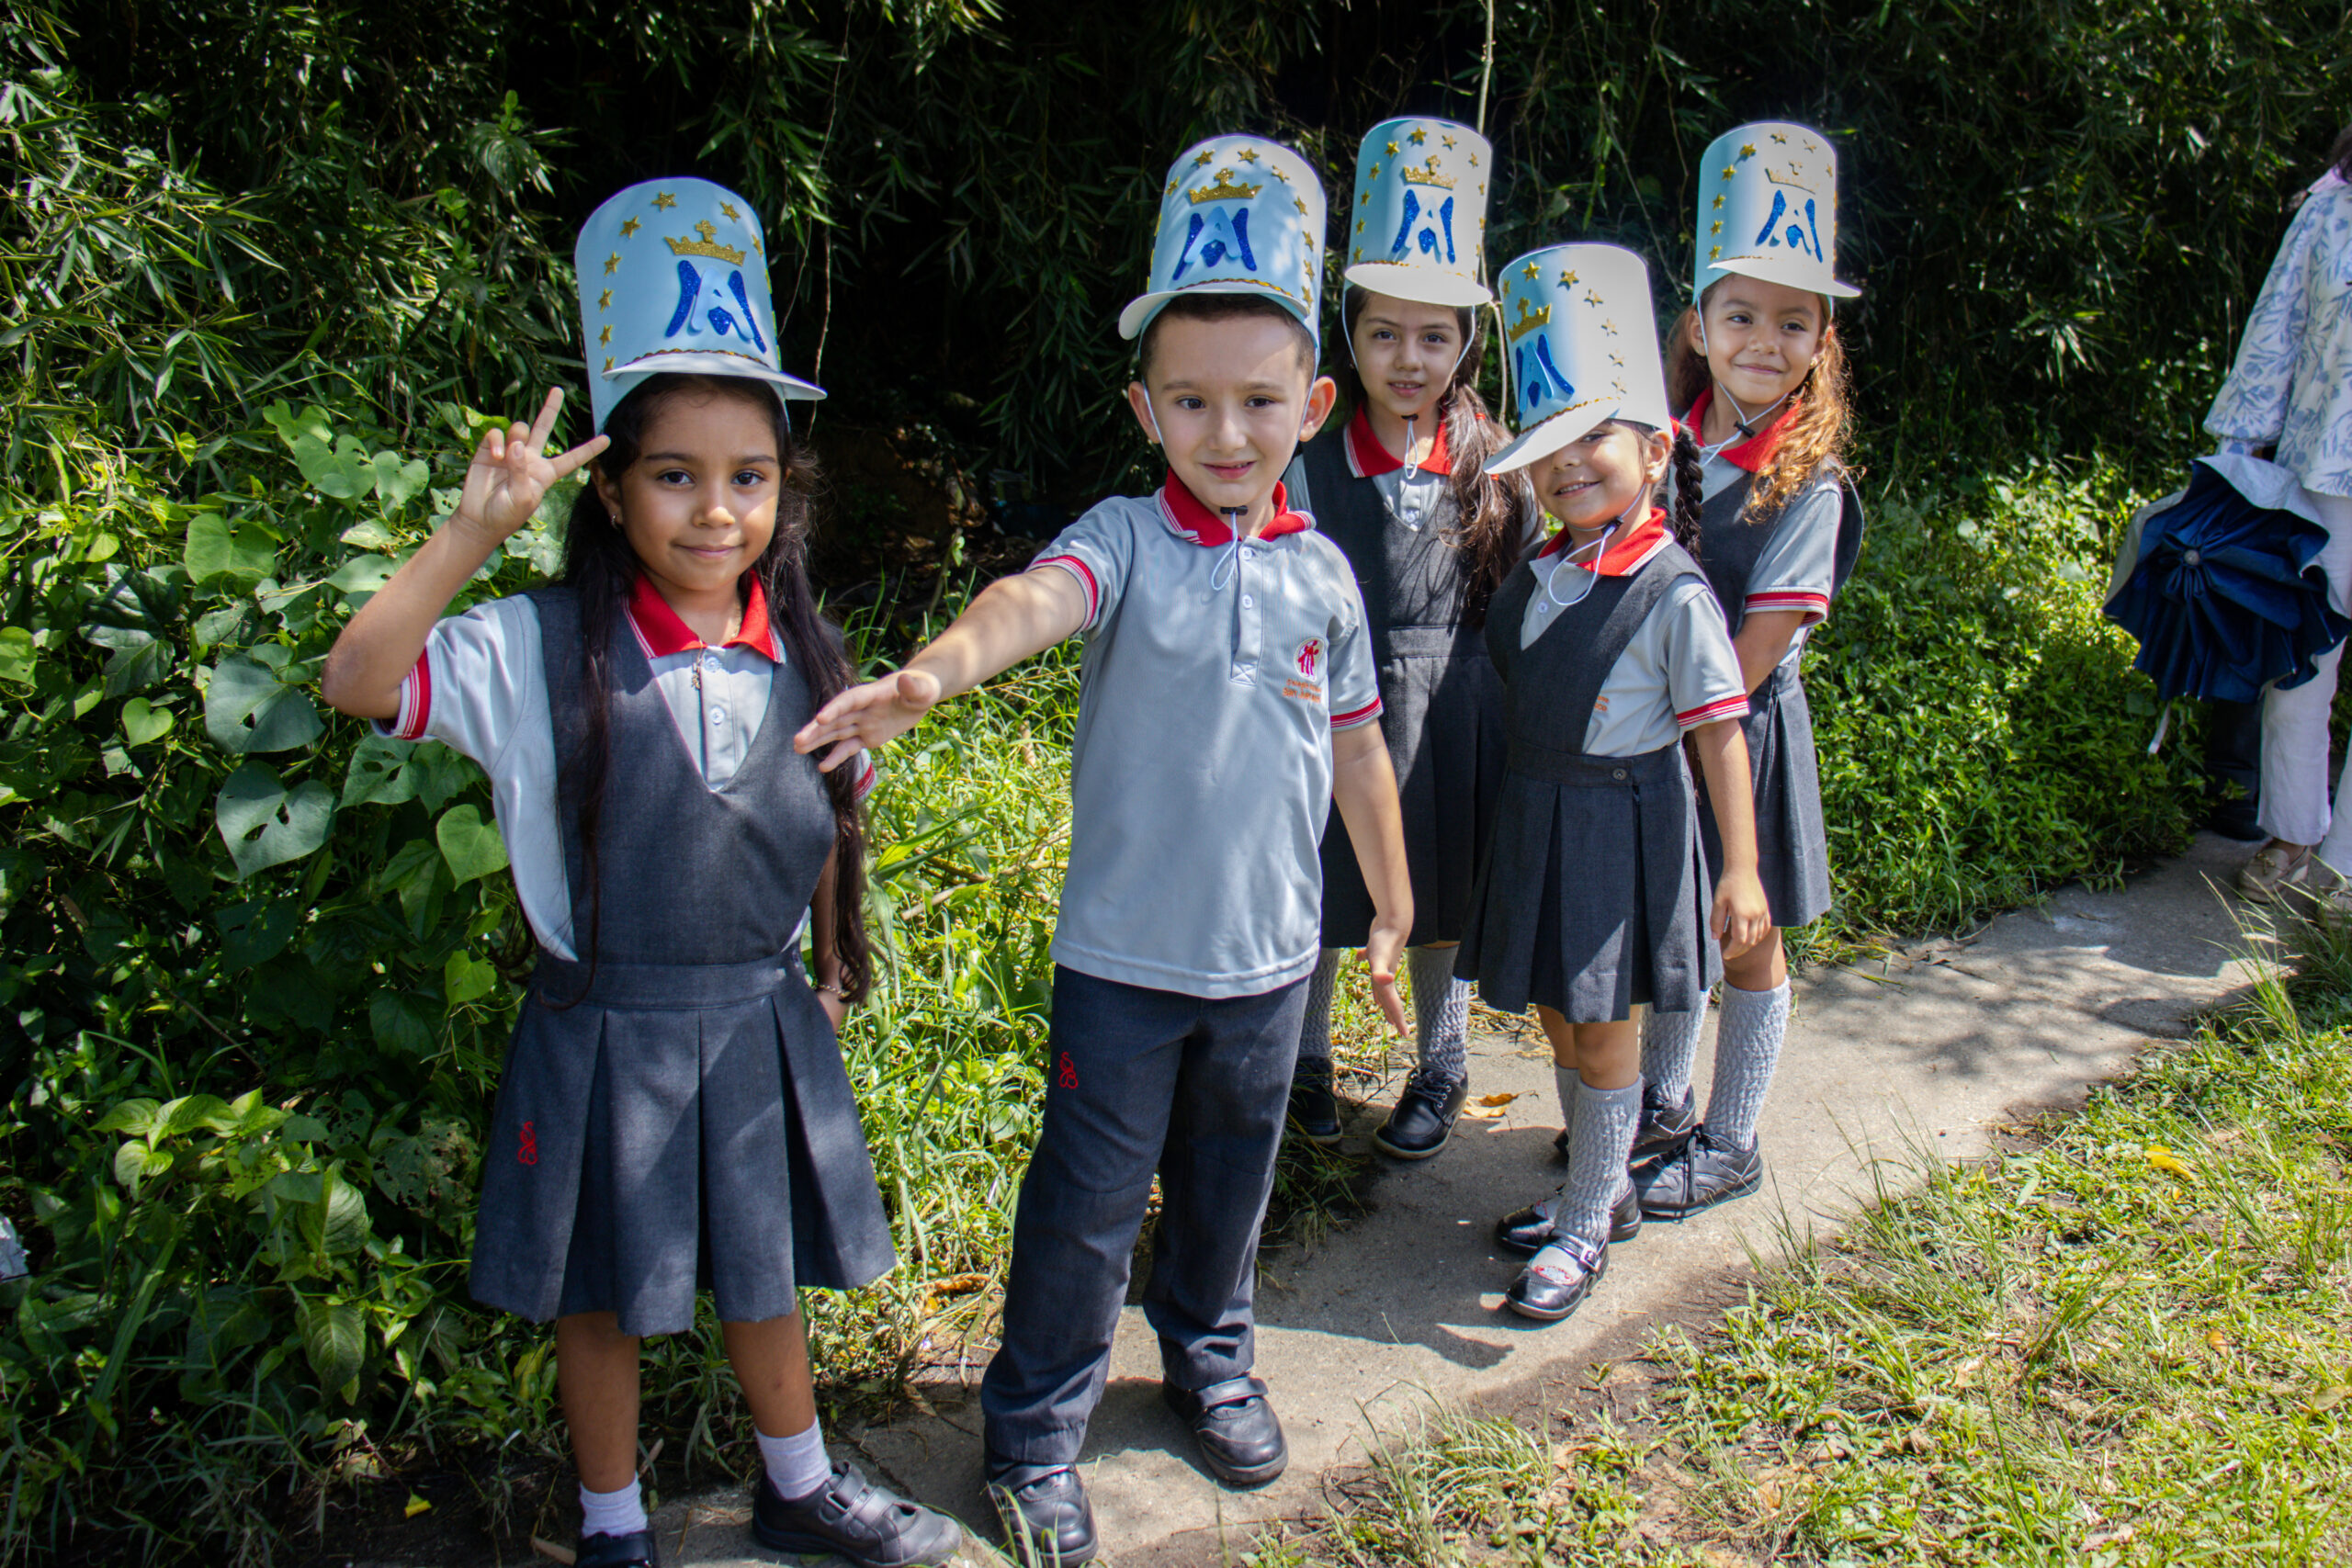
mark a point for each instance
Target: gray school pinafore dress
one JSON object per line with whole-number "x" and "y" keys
{"x": 1441, "y": 701}
{"x": 1792, "y": 840}
{"x": 1594, "y": 895}
{"x": 685, "y": 1119}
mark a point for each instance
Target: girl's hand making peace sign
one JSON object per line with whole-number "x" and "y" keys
{"x": 510, "y": 473}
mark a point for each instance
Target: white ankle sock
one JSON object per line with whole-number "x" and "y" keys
{"x": 797, "y": 1465}
{"x": 612, "y": 1513}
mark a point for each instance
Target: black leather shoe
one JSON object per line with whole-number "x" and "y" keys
{"x": 851, "y": 1516}
{"x": 1423, "y": 1118}
{"x": 1553, "y": 1287}
{"x": 1665, "y": 1127}
{"x": 1704, "y": 1174}
{"x": 632, "y": 1550}
{"x": 1525, "y": 1231}
{"x": 1314, "y": 1109}
{"x": 1560, "y": 1147}
{"x": 1047, "y": 1521}
{"x": 1240, "y": 1438}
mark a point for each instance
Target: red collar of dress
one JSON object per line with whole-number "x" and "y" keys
{"x": 1370, "y": 457}
{"x": 1755, "y": 453}
{"x": 662, "y": 633}
{"x": 1627, "y": 553}
{"x": 1189, "y": 518}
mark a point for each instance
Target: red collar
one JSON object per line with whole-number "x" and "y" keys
{"x": 1627, "y": 553}
{"x": 661, "y": 633}
{"x": 1188, "y": 518}
{"x": 1370, "y": 457}
{"x": 1755, "y": 453}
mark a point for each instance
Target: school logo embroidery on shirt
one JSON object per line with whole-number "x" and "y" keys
{"x": 1310, "y": 654}
{"x": 1304, "y": 685}
{"x": 529, "y": 1152}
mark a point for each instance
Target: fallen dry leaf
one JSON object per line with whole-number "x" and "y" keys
{"x": 1483, "y": 1112}
{"x": 553, "y": 1553}
{"x": 1497, "y": 1099}
{"x": 2115, "y": 1537}
{"x": 2218, "y": 1340}
{"x": 416, "y": 1505}
{"x": 2163, "y": 1159}
{"x": 2328, "y": 1399}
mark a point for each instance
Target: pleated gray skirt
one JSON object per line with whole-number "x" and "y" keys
{"x": 683, "y": 1126}
{"x": 1791, "y": 839}
{"x": 1595, "y": 894}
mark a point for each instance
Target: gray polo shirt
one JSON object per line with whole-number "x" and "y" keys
{"x": 1214, "y": 672}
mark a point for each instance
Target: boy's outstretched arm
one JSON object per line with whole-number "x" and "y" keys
{"x": 1364, "y": 786}
{"x": 1740, "y": 915}
{"x": 1013, "y": 618}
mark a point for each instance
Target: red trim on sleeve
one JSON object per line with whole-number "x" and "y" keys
{"x": 1085, "y": 575}
{"x": 1734, "y": 706}
{"x": 1364, "y": 715}
{"x": 416, "y": 700}
{"x": 866, "y": 777}
{"x": 1814, "y": 606}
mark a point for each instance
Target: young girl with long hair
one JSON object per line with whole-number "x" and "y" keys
{"x": 1401, "y": 487}
{"x": 1756, "y": 366}
{"x": 674, "y": 1110}
{"x": 1595, "y": 898}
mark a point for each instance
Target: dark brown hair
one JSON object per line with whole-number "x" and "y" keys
{"x": 1221, "y": 308}
{"x": 1491, "y": 510}
{"x": 599, "y": 565}
{"x": 2339, "y": 157}
{"x": 1821, "y": 408}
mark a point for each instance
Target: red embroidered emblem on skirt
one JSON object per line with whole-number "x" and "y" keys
{"x": 1067, "y": 1078}
{"x": 529, "y": 1152}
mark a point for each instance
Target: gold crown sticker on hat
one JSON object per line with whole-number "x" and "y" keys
{"x": 1223, "y": 188}
{"x": 706, "y": 246}
{"x": 1426, "y": 175}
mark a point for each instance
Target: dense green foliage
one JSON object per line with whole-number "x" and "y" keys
{"x": 260, "y": 266}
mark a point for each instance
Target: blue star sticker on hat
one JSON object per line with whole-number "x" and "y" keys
{"x": 1580, "y": 337}
{"x": 673, "y": 277}
{"x": 1768, "y": 208}
{"x": 1240, "y": 215}
{"x": 1418, "y": 230}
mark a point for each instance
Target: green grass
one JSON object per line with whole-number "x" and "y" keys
{"x": 2127, "y": 1340}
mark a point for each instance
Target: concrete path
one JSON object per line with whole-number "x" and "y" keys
{"x": 1926, "y": 1050}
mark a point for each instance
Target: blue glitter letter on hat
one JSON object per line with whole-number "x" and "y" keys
{"x": 1240, "y": 215}
{"x": 673, "y": 276}
{"x": 1580, "y": 339}
{"x": 1418, "y": 230}
{"x": 1768, "y": 208}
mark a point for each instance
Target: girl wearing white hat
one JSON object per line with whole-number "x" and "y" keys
{"x": 1400, "y": 487}
{"x": 1756, "y": 366}
{"x": 1595, "y": 897}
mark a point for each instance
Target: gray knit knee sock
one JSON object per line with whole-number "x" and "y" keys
{"x": 1314, "y": 1030}
{"x": 1570, "y": 1086}
{"x": 1600, "y": 1138}
{"x": 1748, "y": 1051}
{"x": 1670, "y": 1047}
{"x": 1441, "y": 1010}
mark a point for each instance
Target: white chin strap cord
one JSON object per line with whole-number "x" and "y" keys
{"x": 1226, "y": 568}
{"x": 1741, "y": 418}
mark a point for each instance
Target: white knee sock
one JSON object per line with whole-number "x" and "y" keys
{"x": 1600, "y": 1136}
{"x": 1748, "y": 1052}
{"x": 1315, "y": 1031}
{"x": 1442, "y": 1009}
{"x": 795, "y": 1465}
{"x": 620, "y": 1512}
{"x": 1669, "y": 1046}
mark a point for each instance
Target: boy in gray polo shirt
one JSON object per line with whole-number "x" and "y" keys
{"x": 1227, "y": 701}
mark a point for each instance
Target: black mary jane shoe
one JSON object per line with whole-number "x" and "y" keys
{"x": 1047, "y": 1521}
{"x": 1240, "y": 1438}
{"x": 851, "y": 1518}
{"x": 1549, "y": 1290}
{"x": 632, "y": 1550}
{"x": 1526, "y": 1231}
{"x": 1704, "y": 1174}
{"x": 1314, "y": 1109}
{"x": 1423, "y": 1118}
{"x": 1665, "y": 1127}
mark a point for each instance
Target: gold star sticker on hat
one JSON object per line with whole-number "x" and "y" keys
{"x": 1531, "y": 270}
{"x": 1447, "y": 139}
{"x": 1276, "y": 170}
{"x": 1204, "y": 160}
{"x": 1748, "y": 149}
{"x": 1781, "y": 138}
{"x": 1473, "y": 160}
{"x": 1618, "y": 360}
{"x": 1247, "y": 154}
{"x": 1360, "y": 225}
{"x": 608, "y": 367}
{"x": 1362, "y": 196}
{"x": 629, "y": 227}
{"x": 1418, "y": 136}
{"x": 664, "y": 201}
{"x": 1719, "y": 201}
{"x": 1592, "y": 297}
{"x": 1300, "y": 205}
{"x": 1609, "y": 327}
{"x": 612, "y": 264}
{"x": 605, "y": 337}
{"x": 1713, "y": 251}
{"x": 728, "y": 209}
{"x": 1375, "y": 172}
{"x": 1170, "y": 190}
{"x": 605, "y": 300}
{"x": 1392, "y": 149}
{"x": 1568, "y": 279}
{"x": 1728, "y": 171}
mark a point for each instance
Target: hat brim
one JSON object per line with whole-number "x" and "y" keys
{"x": 1770, "y": 269}
{"x": 689, "y": 362}
{"x": 1422, "y": 285}
{"x": 1541, "y": 440}
{"x": 1144, "y": 306}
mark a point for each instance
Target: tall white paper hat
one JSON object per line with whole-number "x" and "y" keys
{"x": 1240, "y": 215}
{"x": 1418, "y": 227}
{"x": 673, "y": 276}
{"x": 1580, "y": 337}
{"x": 1768, "y": 208}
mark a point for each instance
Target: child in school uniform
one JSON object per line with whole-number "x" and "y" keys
{"x": 1400, "y": 487}
{"x": 1227, "y": 702}
{"x": 1595, "y": 898}
{"x": 1757, "y": 365}
{"x": 674, "y": 1110}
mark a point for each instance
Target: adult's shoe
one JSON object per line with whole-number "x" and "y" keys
{"x": 1704, "y": 1173}
{"x": 1240, "y": 1438}
{"x": 1529, "y": 1230}
{"x": 1047, "y": 1521}
{"x": 851, "y": 1518}
{"x": 2278, "y": 869}
{"x": 1314, "y": 1109}
{"x": 1557, "y": 1280}
{"x": 1424, "y": 1117}
{"x": 1666, "y": 1126}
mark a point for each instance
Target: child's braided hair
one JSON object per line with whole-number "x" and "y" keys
{"x": 1688, "y": 480}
